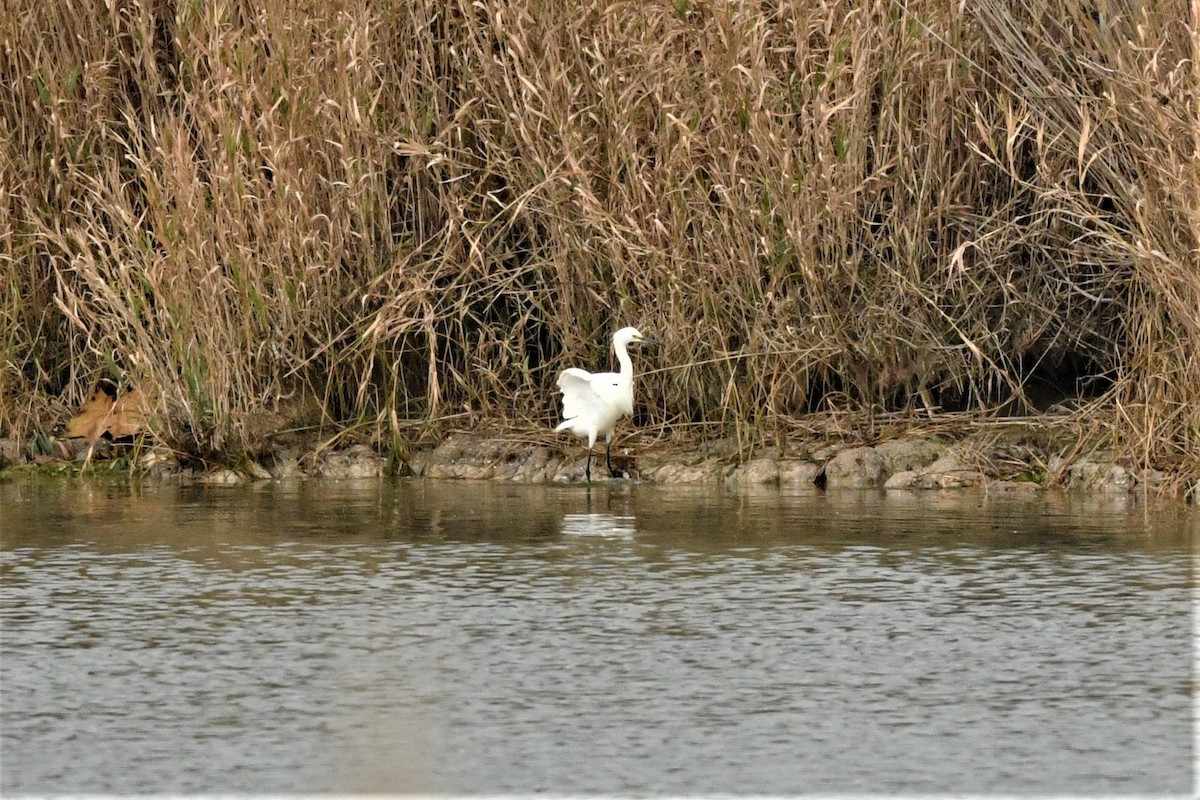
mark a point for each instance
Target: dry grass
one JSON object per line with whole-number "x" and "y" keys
{"x": 350, "y": 213}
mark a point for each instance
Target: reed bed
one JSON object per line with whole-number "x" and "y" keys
{"x": 373, "y": 214}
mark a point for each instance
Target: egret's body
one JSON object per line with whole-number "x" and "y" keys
{"x": 592, "y": 403}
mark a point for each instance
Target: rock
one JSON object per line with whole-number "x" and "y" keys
{"x": 532, "y": 468}
{"x": 950, "y": 461}
{"x": 949, "y": 471}
{"x": 222, "y": 477}
{"x": 10, "y": 452}
{"x": 573, "y": 471}
{"x": 705, "y": 471}
{"x": 1151, "y": 477}
{"x": 417, "y": 463}
{"x": 951, "y": 480}
{"x": 1117, "y": 479}
{"x": 955, "y": 479}
{"x": 78, "y": 449}
{"x": 769, "y": 470}
{"x": 284, "y": 464}
{"x": 1102, "y": 476}
{"x": 823, "y": 453}
{"x": 358, "y": 461}
{"x": 462, "y": 471}
{"x": 855, "y": 468}
{"x": 903, "y": 455}
{"x": 798, "y": 474}
{"x": 905, "y": 479}
{"x": 756, "y": 472}
{"x": 946, "y": 471}
{"x": 257, "y": 471}
{"x": 159, "y": 462}
{"x": 1013, "y": 487}
{"x": 451, "y": 450}
{"x": 466, "y": 457}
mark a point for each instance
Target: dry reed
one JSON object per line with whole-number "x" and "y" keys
{"x": 356, "y": 212}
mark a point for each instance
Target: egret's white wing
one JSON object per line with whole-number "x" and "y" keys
{"x": 573, "y": 376}
{"x": 579, "y": 398}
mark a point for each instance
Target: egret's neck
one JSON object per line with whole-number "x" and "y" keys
{"x": 624, "y": 360}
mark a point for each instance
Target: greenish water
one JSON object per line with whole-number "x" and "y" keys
{"x": 457, "y": 638}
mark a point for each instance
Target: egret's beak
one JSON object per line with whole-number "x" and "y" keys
{"x": 650, "y": 340}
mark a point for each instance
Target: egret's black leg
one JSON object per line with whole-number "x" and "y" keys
{"x": 608, "y": 458}
{"x": 588, "y": 469}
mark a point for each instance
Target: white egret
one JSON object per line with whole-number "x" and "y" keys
{"x": 592, "y": 404}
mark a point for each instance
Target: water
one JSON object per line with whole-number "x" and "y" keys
{"x": 459, "y": 638}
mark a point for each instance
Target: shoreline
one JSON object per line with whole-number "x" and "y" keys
{"x": 1012, "y": 463}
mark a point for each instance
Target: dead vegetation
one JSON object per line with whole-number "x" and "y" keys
{"x": 387, "y": 213}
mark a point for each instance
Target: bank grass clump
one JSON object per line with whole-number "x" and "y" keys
{"x": 395, "y": 216}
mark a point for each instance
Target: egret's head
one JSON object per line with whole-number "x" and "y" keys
{"x": 628, "y": 336}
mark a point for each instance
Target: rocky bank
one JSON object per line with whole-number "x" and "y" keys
{"x": 921, "y": 462}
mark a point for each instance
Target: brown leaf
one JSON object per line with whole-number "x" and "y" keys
{"x": 92, "y": 418}
{"x": 125, "y": 416}
{"x": 129, "y": 415}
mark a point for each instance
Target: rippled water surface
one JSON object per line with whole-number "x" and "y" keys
{"x": 464, "y": 639}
